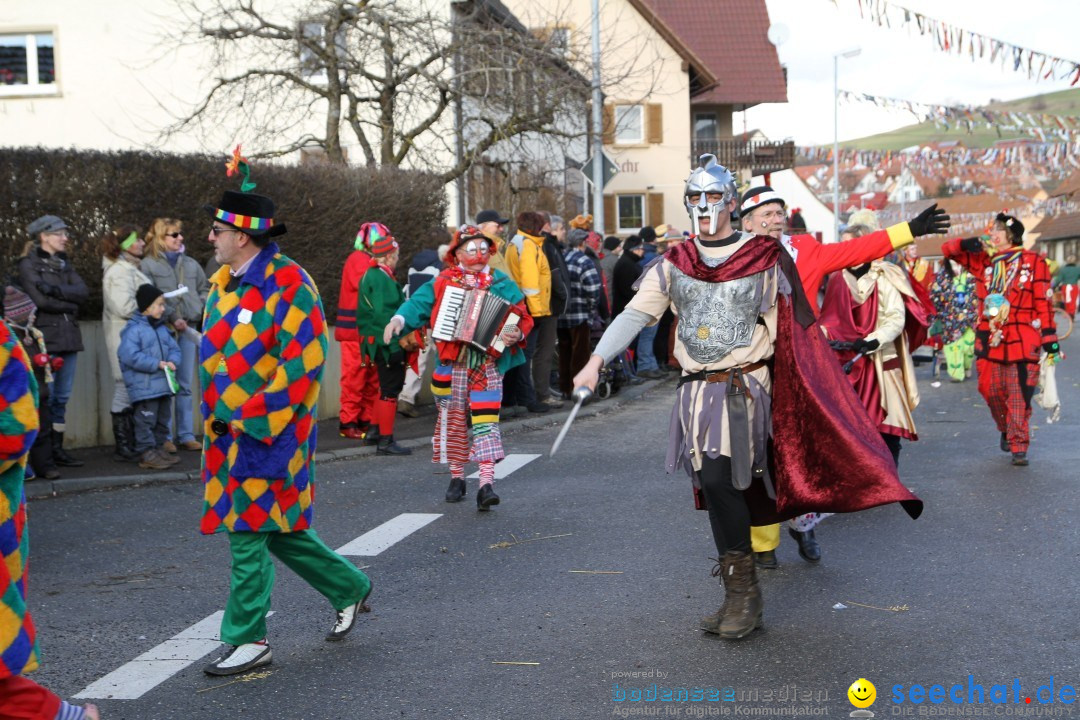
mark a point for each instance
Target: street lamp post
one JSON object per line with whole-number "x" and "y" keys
{"x": 597, "y": 125}
{"x": 836, "y": 136}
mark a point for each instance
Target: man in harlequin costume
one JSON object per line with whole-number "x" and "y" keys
{"x": 1016, "y": 322}
{"x": 467, "y": 380}
{"x": 20, "y": 697}
{"x": 359, "y": 378}
{"x": 261, "y": 366}
{"x": 875, "y": 311}
{"x": 754, "y": 366}
{"x": 380, "y": 296}
{"x": 762, "y": 212}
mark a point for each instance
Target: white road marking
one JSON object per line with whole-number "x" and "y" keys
{"x": 509, "y": 464}
{"x": 155, "y": 666}
{"x": 375, "y": 541}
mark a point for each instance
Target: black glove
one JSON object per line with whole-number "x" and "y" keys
{"x": 1051, "y": 347}
{"x": 971, "y": 245}
{"x": 930, "y": 221}
{"x": 49, "y": 289}
{"x": 865, "y": 346}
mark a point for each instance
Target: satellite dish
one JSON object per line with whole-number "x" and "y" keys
{"x": 778, "y": 34}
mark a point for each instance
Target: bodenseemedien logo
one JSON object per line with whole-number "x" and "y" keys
{"x": 862, "y": 695}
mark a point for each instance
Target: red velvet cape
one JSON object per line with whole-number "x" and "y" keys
{"x": 826, "y": 455}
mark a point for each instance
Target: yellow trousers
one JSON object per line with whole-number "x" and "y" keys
{"x": 764, "y": 537}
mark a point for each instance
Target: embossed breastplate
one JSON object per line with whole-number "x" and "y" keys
{"x": 715, "y": 318}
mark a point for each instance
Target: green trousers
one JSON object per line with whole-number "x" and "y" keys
{"x": 960, "y": 355}
{"x": 305, "y": 554}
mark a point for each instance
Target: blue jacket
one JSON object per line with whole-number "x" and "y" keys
{"x": 142, "y": 348}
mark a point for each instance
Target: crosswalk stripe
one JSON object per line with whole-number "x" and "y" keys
{"x": 394, "y": 530}
{"x": 512, "y": 462}
{"x": 138, "y": 677}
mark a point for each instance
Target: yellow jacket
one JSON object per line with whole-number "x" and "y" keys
{"x": 530, "y": 270}
{"x": 497, "y": 258}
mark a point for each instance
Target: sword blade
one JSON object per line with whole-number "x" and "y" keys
{"x": 566, "y": 426}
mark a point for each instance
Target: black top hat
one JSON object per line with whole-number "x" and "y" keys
{"x": 251, "y": 213}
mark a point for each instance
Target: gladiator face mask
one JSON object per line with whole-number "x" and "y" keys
{"x": 709, "y": 177}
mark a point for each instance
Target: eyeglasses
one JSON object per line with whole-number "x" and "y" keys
{"x": 179, "y": 234}
{"x": 215, "y": 230}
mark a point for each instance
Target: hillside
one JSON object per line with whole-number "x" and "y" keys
{"x": 1064, "y": 102}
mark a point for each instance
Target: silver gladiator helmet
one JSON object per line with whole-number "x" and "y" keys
{"x": 709, "y": 177}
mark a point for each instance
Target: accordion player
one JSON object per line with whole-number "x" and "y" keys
{"x": 474, "y": 316}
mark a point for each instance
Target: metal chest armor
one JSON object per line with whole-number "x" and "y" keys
{"x": 715, "y": 318}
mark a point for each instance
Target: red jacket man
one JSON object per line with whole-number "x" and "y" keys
{"x": 359, "y": 380}
{"x": 762, "y": 211}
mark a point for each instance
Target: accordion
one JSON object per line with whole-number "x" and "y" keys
{"x": 475, "y": 317}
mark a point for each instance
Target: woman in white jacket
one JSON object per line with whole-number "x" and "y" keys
{"x": 122, "y": 250}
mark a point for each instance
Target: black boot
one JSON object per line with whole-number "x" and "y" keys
{"x": 1004, "y": 444}
{"x": 486, "y": 497}
{"x": 61, "y": 456}
{"x": 387, "y": 446}
{"x": 809, "y": 550}
{"x": 371, "y": 436}
{"x": 456, "y": 491}
{"x": 123, "y": 427}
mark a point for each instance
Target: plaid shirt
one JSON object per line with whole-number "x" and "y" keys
{"x": 584, "y": 289}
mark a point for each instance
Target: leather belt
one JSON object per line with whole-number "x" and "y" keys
{"x": 219, "y": 427}
{"x": 716, "y": 376}
{"x": 893, "y": 364}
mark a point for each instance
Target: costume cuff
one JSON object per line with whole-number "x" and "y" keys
{"x": 900, "y": 235}
{"x": 620, "y": 333}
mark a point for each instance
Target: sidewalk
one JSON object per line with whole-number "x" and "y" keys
{"x": 102, "y": 472}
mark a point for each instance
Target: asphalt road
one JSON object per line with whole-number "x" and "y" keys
{"x": 983, "y": 584}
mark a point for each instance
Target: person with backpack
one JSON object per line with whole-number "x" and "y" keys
{"x": 531, "y": 270}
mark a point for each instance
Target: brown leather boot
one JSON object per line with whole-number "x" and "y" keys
{"x": 711, "y": 623}
{"x": 743, "y": 604}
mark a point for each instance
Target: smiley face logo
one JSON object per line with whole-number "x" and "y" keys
{"x": 862, "y": 693}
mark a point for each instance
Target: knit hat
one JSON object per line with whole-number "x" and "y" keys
{"x": 18, "y": 307}
{"x": 631, "y": 243}
{"x": 383, "y": 246}
{"x": 369, "y": 234}
{"x": 145, "y": 296}
{"x": 647, "y": 234}
{"x": 611, "y": 242}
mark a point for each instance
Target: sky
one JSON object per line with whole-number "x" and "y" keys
{"x": 894, "y": 63}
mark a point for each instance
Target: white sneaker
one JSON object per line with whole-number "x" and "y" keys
{"x": 241, "y": 658}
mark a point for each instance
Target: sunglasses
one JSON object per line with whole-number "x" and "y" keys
{"x": 175, "y": 235}
{"x": 215, "y": 230}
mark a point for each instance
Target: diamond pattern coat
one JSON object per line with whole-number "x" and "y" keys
{"x": 18, "y": 428}
{"x": 261, "y": 363}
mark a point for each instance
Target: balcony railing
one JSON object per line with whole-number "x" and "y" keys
{"x": 759, "y": 157}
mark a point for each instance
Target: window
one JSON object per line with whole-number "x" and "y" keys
{"x": 631, "y": 212}
{"x": 629, "y": 124}
{"x": 312, "y": 65}
{"x": 705, "y": 126}
{"x": 27, "y": 64}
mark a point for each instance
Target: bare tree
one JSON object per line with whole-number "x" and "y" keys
{"x": 386, "y": 78}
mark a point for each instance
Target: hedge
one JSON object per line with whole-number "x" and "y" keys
{"x": 322, "y": 205}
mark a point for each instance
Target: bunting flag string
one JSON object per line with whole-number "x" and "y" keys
{"x": 1040, "y": 125}
{"x": 1056, "y": 160}
{"x": 951, "y": 39}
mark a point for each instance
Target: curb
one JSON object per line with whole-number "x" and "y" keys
{"x": 42, "y": 489}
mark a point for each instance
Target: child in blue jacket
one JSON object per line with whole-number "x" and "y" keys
{"x": 147, "y": 349}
